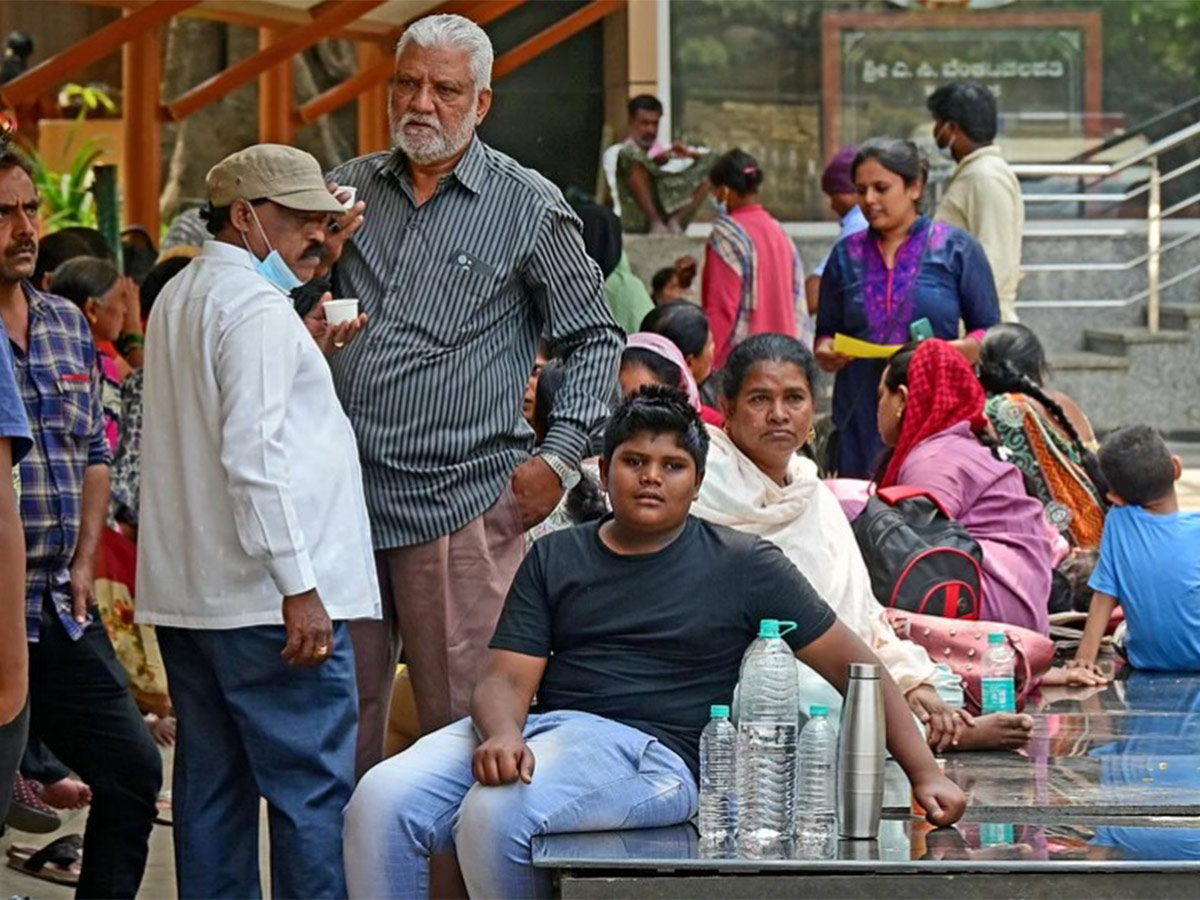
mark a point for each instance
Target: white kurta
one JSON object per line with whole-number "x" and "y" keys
{"x": 806, "y": 522}
{"x": 251, "y": 485}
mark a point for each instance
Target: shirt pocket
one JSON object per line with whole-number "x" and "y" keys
{"x": 74, "y": 401}
{"x": 457, "y": 291}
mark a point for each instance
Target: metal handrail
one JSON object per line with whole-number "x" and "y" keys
{"x": 1155, "y": 214}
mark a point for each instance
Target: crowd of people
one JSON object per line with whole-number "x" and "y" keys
{"x": 564, "y": 500}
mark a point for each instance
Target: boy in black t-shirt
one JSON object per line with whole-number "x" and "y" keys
{"x": 627, "y": 630}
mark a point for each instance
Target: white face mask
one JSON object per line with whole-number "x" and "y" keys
{"x": 947, "y": 151}
{"x": 273, "y": 268}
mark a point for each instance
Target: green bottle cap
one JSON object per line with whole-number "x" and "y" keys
{"x": 996, "y": 637}
{"x": 773, "y": 628}
{"x": 817, "y": 710}
{"x": 720, "y": 712}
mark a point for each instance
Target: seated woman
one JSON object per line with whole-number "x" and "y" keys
{"x": 931, "y": 415}
{"x": 756, "y": 482}
{"x": 654, "y": 359}
{"x": 1047, "y": 435}
{"x": 686, "y": 326}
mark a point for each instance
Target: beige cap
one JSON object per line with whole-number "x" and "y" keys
{"x": 275, "y": 172}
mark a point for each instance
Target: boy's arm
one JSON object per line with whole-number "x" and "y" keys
{"x": 831, "y": 655}
{"x": 499, "y": 708}
{"x": 1099, "y": 614}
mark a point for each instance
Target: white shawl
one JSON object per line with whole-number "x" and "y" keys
{"x": 806, "y": 522}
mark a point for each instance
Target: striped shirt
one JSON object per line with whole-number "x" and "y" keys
{"x": 58, "y": 379}
{"x": 458, "y": 290}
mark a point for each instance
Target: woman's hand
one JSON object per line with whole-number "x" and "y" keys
{"x": 1076, "y": 673}
{"x": 828, "y": 359}
{"x": 944, "y": 724}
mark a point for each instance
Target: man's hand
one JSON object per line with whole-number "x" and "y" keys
{"x": 309, "y": 631}
{"x": 502, "y": 760}
{"x": 332, "y": 338}
{"x": 340, "y": 230}
{"x": 944, "y": 723}
{"x": 944, "y": 803}
{"x": 83, "y": 595}
{"x": 537, "y": 490}
{"x": 827, "y": 359}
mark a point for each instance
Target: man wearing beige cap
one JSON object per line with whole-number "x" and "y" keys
{"x": 255, "y": 547}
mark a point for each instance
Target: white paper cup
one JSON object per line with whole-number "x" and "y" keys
{"x": 339, "y": 311}
{"x": 346, "y": 195}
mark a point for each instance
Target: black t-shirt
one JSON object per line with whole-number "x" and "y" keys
{"x": 652, "y": 641}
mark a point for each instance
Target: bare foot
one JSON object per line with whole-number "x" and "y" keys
{"x": 67, "y": 793}
{"x": 997, "y": 731}
{"x": 659, "y": 227}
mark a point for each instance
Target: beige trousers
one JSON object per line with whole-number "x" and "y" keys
{"x": 441, "y": 601}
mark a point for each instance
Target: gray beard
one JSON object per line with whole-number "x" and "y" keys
{"x": 441, "y": 146}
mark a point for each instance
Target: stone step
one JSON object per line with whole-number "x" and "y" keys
{"x": 1089, "y": 362}
{"x": 1179, "y": 316}
{"x": 1118, "y": 341}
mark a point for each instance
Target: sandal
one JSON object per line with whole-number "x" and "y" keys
{"x": 28, "y": 812}
{"x": 59, "y": 861}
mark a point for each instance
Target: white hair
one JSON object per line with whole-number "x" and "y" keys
{"x": 458, "y": 33}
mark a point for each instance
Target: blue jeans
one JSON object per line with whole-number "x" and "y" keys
{"x": 250, "y": 725}
{"x": 591, "y": 774}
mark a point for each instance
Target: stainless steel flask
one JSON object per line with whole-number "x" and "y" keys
{"x": 861, "y": 755}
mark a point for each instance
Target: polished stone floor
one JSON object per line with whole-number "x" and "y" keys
{"x": 1111, "y": 780}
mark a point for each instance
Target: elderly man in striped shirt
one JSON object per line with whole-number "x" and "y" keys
{"x": 464, "y": 260}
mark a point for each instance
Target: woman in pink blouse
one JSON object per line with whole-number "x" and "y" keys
{"x": 753, "y": 279}
{"x": 931, "y": 413}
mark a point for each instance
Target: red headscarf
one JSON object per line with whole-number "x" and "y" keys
{"x": 942, "y": 391}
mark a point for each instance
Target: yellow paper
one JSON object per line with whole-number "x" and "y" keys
{"x": 848, "y": 346}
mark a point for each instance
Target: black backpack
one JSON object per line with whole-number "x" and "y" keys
{"x": 919, "y": 558}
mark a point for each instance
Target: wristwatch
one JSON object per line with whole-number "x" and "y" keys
{"x": 568, "y": 474}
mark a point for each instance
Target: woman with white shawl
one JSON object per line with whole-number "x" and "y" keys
{"x": 756, "y": 482}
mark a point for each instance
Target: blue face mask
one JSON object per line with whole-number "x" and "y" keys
{"x": 273, "y": 268}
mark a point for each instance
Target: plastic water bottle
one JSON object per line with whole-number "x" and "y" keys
{"x": 718, "y": 780}
{"x": 816, "y": 800}
{"x": 768, "y": 725}
{"x": 998, "y": 681}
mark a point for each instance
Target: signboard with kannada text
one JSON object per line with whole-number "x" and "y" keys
{"x": 880, "y": 68}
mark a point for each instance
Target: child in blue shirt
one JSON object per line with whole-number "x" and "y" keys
{"x": 1149, "y": 557}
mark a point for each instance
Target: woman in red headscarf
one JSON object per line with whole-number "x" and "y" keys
{"x": 931, "y": 413}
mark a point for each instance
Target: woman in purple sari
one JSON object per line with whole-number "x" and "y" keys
{"x": 878, "y": 282}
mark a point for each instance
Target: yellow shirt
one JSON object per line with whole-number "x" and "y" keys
{"x": 984, "y": 198}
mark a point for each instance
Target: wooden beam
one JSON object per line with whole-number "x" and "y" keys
{"x": 141, "y": 75}
{"x": 254, "y": 14}
{"x": 50, "y": 73}
{"x": 335, "y": 15}
{"x": 276, "y": 94}
{"x": 373, "y": 131}
{"x": 564, "y": 28}
{"x": 368, "y": 78}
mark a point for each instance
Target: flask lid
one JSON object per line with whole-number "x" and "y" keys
{"x": 720, "y": 712}
{"x": 864, "y": 670}
{"x": 817, "y": 710}
{"x": 996, "y": 637}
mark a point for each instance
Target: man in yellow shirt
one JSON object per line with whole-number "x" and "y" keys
{"x": 983, "y": 196}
